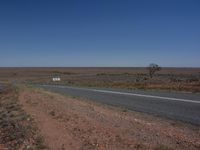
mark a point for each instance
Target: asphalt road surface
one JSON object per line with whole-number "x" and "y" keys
{"x": 179, "y": 106}
{"x": 1, "y": 87}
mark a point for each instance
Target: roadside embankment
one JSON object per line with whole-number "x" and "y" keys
{"x": 17, "y": 128}
{"x": 72, "y": 123}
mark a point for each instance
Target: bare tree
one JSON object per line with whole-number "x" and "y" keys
{"x": 153, "y": 68}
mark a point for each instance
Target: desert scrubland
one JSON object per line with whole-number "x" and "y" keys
{"x": 171, "y": 79}
{"x": 32, "y": 118}
{"x": 37, "y": 119}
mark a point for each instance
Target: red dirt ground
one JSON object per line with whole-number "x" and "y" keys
{"x": 68, "y": 123}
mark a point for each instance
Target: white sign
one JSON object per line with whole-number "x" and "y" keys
{"x": 56, "y": 79}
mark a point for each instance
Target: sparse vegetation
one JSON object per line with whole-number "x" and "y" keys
{"x": 173, "y": 79}
{"x": 153, "y": 68}
{"x": 67, "y": 116}
{"x": 17, "y": 129}
{"x": 71, "y": 123}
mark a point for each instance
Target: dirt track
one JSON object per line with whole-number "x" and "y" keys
{"x": 68, "y": 123}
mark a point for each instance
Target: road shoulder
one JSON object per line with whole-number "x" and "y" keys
{"x": 71, "y": 123}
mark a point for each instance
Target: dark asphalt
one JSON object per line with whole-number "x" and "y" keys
{"x": 1, "y": 88}
{"x": 179, "y": 106}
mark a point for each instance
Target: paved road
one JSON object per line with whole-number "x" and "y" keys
{"x": 180, "y": 106}
{"x": 1, "y": 87}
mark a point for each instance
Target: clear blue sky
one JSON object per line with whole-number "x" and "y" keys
{"x": 99, "y": 33}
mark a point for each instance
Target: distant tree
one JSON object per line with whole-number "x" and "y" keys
{"x": 153, "y": 68}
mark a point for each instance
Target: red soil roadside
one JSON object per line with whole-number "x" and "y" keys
{"x": 68, "y": 123}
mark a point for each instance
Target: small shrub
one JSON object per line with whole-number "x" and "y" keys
{"x": 153, "y": 68}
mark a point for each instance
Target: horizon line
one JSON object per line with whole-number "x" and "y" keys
{"x": 93, "y": 67}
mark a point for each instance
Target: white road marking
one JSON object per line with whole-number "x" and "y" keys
{"x": 148, "y": 96}
{"x": 132, "y": 94}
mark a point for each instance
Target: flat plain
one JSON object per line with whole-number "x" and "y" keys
{"x": 45, "y": 119}
{"x": 178, "y": 79}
